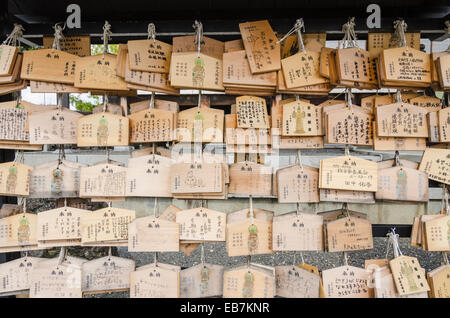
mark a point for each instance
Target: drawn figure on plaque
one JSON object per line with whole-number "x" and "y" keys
{"x": 299, "y": 115}
{"x": 23, "y": 231}
{"x": 57, "y": 181}
{"x": 252, "y": 238}
{"x": 192, "y": 180}
{"x": 247, "y": 290}
{"x": 11, "y": 181}
{"x": 402, "y": 185}
{"x": 198, "y": 73}
{"x": 408, "y": 271}
{"x": 102, "y": 132}
{"x": 204, "y": 279}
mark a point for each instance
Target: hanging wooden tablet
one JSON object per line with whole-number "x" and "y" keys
{"x": 433, "y": 126}
{"x": 13, "y": 87}
{"x": 15, "y": 275}
{"x": 208, "y": 45}
{"x": 212, "y": 124}
{"x": 15, "y": 179}
{"x": 295, "y": 282}
{"x": 152, "y": 125}
{"x": 202, "y": 224}
{"x": 103, "y": 180}
{"x": 297, "y": 232}
{"x": 149, "y": 55}
{"x": 408, "y": 276}
{"x": 159, "y": 104}
{"x": 148, "y": 176}
{"x": 102, "y": 130}
{"x": 302, "y": 69}
{"x": 349, "y": 234}
{"x": 202, "y": 280}
{"x": 18, "y": 233}
{"x": 401, "y": 120}
{"x": 354, "y": 64}
{"x": 187, "y": 70}
{"x": 53, "y": 127}
{"x": 9, "y": 209}
{"x": 333, "y": 215}
{"x": 108, "y": 224}
{"x": 298, "y": 184}
{"x": 13, "y": 122}
{"x": 319, "y": 89}
{"x": 385, "y": 286}
{"x": 397, "y": 143}
{"x": 150, "y": 234}
{"x": 349, "y": 126}
{"x": 60, "y": 226}
{"x": 349, "y": 196}
{"x": 444, "y": 124}
{"x": 402, "y": 184}
{"x": 49, "y": 65}
{"x": 15, "y": 72}
{"x": 155, "y": 282}
{"x": 110, "y": 108}
{"x": 403, "y": 162}
{"x": 443, "y": 71}
{"x": 49, "y": 87}
{"x": 437, "y": 234}
{"x": 250, "y": 178}
{"x": 346, "y": 282}
{"x": 431, "y": 104}
{"x": 252, "y": 112}
{"x": 8, "y": 55}
{"x": 435, "y": 163}
{"x": 378, "y": 41}
{"x": 196, "y": 178}
{"x": 439, "y": 280}
{"x": 244, "y": 136}
{"x": 233, "y": 46}
{"x": 301, "y": 119}
{"x": 52, "y": 280}
{"x": 77, "y": 45}
{"x": 311, "y": 41}
{"x": 348, "y": 173}
{"x": 252, "y": 281}
{"x": 324, "y": 68}
{"x": 405, "y": 65}
{"x": 106, "y": 274}
{"x": 261, "y": 46}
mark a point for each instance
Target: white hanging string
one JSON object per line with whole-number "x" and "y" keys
{"x": 152, "y": 101}
{"x": 151, "y": 30}
{"x": 397, "y": 159}
{"x": 298, "y": 27}
{"x": 15, "y": 36}
{"x": 202, "y": 254}
{"x": 198, "y": 38}
{"x": 348, "y": 98}
{"x": 298, "y": 159}
{"x": 106, "y": 37}
{"x": 155, "y": 208}
{"x": 394, "y": 242}
{"x": 62, "y": 255}
{"x": 349, "y": 39}
{"x": 105, "y": 102}
{"x": 250, "y": 202}
{"x": 345, "y": 255}
{"x": 398, "y": 97}
{"x": 400, "y": 27}
{"x": 58, "y": 36}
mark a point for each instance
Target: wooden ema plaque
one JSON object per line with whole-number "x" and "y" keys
{"x": 52, "y": 280}
{"x": 244, "y": 136}
{"x": 14, "y": 179}
{"x": 202, "y": 224}
{"x": 434, "y": 75}
{"x": 15, "y": 72}
{"x": 13, "y": 122}
{"x": 444, "y": 124}
{"x": 252, "y": 112}
{"x": 106, "y": 274}
{"x": 60, "y": 226}
{"x": 237, "y": 71}
{"x": 159, "y": 104}
{"x": 102, "y": 130}
{"x": 18, "y": 232}
{"x": 443, "y": 70}
{"x": 8, "y": 55}
{"x": 402, "y": 184}
{"x": 355, "y": 65}
{"x": 196, "y": 178}
{"x": 397, "y": 143}
{"x": 49, "y": 65}
{"x": 53, "y": 180}
{"x": 212, "y": 124}
{"x": 150, "y": 234}
{"x": 437, "y": 234}
{"x": 298, "y": 184}
{"x": 148, "y": 176}
{"x": 431, "y": 104}
{"x": 250, "y": 178}
{"x": 349, "y": 196}
{"x": 319, "y": 89}
{"x": 297, "y": 232}
{"x": 302, "y": 69}
{"x": 401, "y": 120}
{"x": 252, "y": 281}
{"x": 405, "y": 65}
{"x": 98, "y": 72}
{"x": 295, "y": 282}
{"x": 348, "y": 173}
{"x": 15, "y": 275}
{"x": 77, "y": 45}
{"x": 311, "y": 41}
{"x": 208, "y": 46}
{"x": 379, "y": 41}
{"x": 408, "y": 276}
{"x": 49, "y": 87}
{"x": 187, "y": 70}
{"x": 433, "y": 126}
{"x": 110, "y": 108}
{"x": 403, "y": 162}
{"x": 152, "y": 125}
{"x": 301, "y": 119}
{"x": 202, "y": 280}
{"x": 261, "y": 46}
{"x": 333, "y": 215}
{"x": 103, "y": 180}
{"x": 324, "y": 64}
{"x": 439, "y": 280}
{"x": 349, "y": 126}
{"x": 149, "y": 55}
{"x": 349, "y": 234}
{"x": 54, "y": 127}
{"x": 435, "y": 163}
{"x": 104, "y": 225}
{"x": 155, "y": 281}
{"x": 346, "y": 282}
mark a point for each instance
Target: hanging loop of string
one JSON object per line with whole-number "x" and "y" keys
{"x": 155, "y": 260}
{"x": 445, "y": 259}
{"x": 152, "y": 100}
{"x": 199, "y": 100}
{"x": 58, "y": 36}
{"x": 445, "y": 207}
{"x": 349, "y": 39}
{"x": 155, "y": 208}
{"x": 347, "y": 150}
{"x": 202, "y": 255}
{"x": 348, "y": 98}
{"x": 19, "y": 157}
{"x": 198, "y": 38}
{"x": 393, "y": 237}
{"x": 15, "y": 36}
{"x": 298, "y": 208}
{"x": 298, "y": 27}
{"x": 345, "y": 255}
{"x": 400, "y": 27}
{"x": 109, "y": 253}
{"x": 397, "y": 159}
{"x": 105, "y": 102}
{"x": 345, "y": 209}
{"x": 106, "y": 37}
{"x": 24, "y": 206}
{"x": 62, "y": 255}
{"x": 398, "y": 97}
{"x": 151, "y": 30}
{"x": 250, "y": 202}
{"x": 298, "y": 159}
